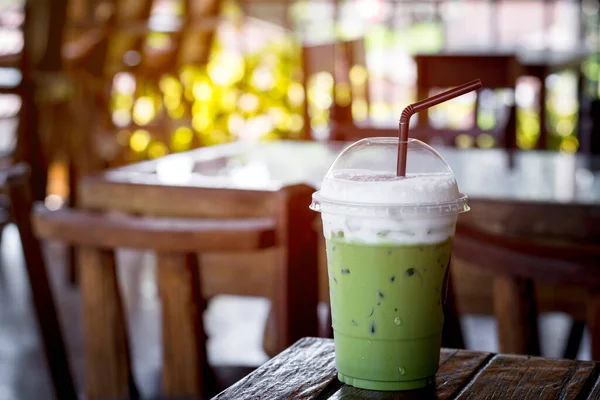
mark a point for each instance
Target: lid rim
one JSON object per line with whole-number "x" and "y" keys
{"x": 319, "y": 199}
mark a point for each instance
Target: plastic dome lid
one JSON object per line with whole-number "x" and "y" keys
{"x": 363, "y": 179}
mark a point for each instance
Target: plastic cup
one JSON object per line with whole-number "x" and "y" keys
{"x": 388, "y": 242}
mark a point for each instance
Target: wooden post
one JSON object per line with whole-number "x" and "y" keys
{"x": 452, "y": 336}
{"x": 516, "y": 311}
{"x": 43, "y": 300}
{"x": 184, "y": 353}
{"x": 296, "y": 301}
{"x": 107, "y": 365}
{"x": 593, "y": 320}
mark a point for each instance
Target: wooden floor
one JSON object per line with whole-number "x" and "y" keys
{"x": 234, "y": 326}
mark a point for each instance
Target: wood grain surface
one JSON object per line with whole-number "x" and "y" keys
{"x": 307, "y": 371}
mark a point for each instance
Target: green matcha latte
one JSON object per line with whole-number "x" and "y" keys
{"x": 388, "y": 241}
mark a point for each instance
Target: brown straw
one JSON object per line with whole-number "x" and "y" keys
{"x": 423, "y": 105}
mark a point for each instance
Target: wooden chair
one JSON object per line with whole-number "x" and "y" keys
{"x": 446, "y": 70}
{"x": 336, "y": 59}
{"x": 518, "y": 264}
{"x": 16, "y": 183}
{"x": 181, "y": 280}
{"x": 42, "y": 88}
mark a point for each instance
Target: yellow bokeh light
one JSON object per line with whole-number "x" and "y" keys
{"x": 565, "y": 127}
{"x": 189, "y": 74}
{"x": 202, "y": 91}
{"x": 526, "y": 142}
{"x": 296, "y": 122}
{"x": 323, "y": 80}
{"x": 380, "y": 111}
{"x": 485, "y": 141}
{"x": 263, "y": 79}
{"x": 464, "y": 141}
{"x": 279, "y": 117}
{"x": 139, "y": 140}
{"x": 319, "y": 119}
{"x": 570, "y": 144}
{"x": 199, "y": 108}
{"x": 248, "y": 102}
{"x": 172, "y": 101}
{"x": 121, "y": 118}
{"x": 170, "y": 85}
{"x": 158, "y": 41}
{"x": 229, "y": 100}
{"x": 295, "y": 94}
{"x": 486, "y": 120}
{"x": 200, "y": 122}
{"x": 360, "y": 110}
{"x": 358, "y": 75}
{"x": 157, "y": 149}
{"x": 122, "y": 102}
{"x": 343, "y": 94}
{"x": 226, "y": 68}
{"x": 181, "y": 139}
{"x": 235, "y": 123}
{"x": 143, "y": 110}
{"x": 177, "y": 113}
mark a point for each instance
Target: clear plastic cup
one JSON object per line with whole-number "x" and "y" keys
{"x": 388, "y": 248}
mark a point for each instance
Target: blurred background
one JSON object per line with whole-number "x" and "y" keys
{"x": 88, "y": 85}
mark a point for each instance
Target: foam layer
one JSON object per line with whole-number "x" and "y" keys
{"x": 373, "y": 188}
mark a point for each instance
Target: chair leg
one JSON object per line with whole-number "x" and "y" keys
{"x": 41, "y": 291}
{"x": 71, "y": 257}
{"x": 72, "y": 276}
{"x": 593, "y": 319}
{"x": 185, "y": 366}
{"x": 297, "y": 288}
{"x": 452, "y": 336}
{"x": 574, "y": 340}
{"x": 270, "y": 334}
{"x": 516, "y": 311}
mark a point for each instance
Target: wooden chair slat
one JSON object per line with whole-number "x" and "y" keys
{"x": 184, "y": 355}
{"x": 542, "y": 261}
{"x": 516, "y": 310}
{"x": 108, "y": 365}
{"x": 160, "y": 234}
{"x": 593, "y": 320}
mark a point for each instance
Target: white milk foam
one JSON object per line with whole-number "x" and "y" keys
{"x": 382, "y": 188}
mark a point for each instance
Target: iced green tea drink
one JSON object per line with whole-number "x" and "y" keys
{"x": 389, "y": 241}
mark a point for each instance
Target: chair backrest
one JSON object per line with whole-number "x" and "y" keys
{"x": 444, "y": 70}
{"x": 157, "y": 234}
{"x": 337, "y": 59}
{"x": 426, "y": 134}
{"x": 447, "y": 70}
{"x": 176, "y": 242}
{"x": 518, "y": 264}
{"x": 543, "y": 261}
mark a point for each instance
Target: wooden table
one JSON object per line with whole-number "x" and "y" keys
{"x": 307, "y": 371}
{"x": 537, "y": 63}
{"x": 523, "y": 192}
